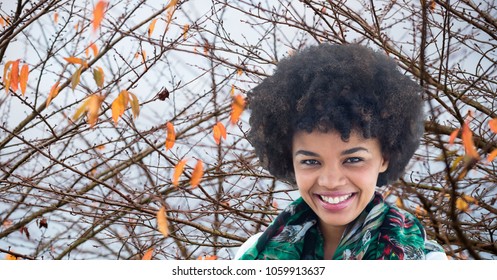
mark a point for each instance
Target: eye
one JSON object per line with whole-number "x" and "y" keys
{"x": 309, "y": 162}
{"x": 353, "y": 160}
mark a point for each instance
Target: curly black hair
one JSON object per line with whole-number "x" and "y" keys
{"x": 336, "y": 88}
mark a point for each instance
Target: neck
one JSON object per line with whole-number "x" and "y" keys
{"x": 332, "y": 236}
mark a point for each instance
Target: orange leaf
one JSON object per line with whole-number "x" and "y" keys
{"x": 467, "y": 140}
{"x": 10, "y": 257}
{"x": 74, "y": 60}
{"x": 23, "y": 78}
{"x": 93, "y": 48}
{"x": 178, "y": 170}
{"x": 217, "y": 134}
{"x": 151, "y": 27}
{"x": 171, "y": 135}
{"x": 420, "y": 211}
{"x": 492, "y": 155}
{"x": 237, "y": 108}
{"x": 219, "y": 131}
{"x": 14, "y": 76}
{"x": 54, "y": 91}
{"x": 197, "y": 174}
{"x": 171, "y": 4}
{"x": 453, "y": 136}
{"x": 239, "y": 71}
{"x": 162, "y": 224}
{"x": 6, "y": 76}
{"x": 98, "y": 14}
{"x": 207, "y": 258}
{"x": 119, "y": 105}
{"x": 55, "y": 17}
{"x": 94, "y": 108}
{"x": 493, "y": 125}
{"x": 2, "y": 22}
{"x": 433, "y": 5}
{"x": 462, "y": 205}
{"x": 148, "y": 254}
{"x": 144, "y": 56}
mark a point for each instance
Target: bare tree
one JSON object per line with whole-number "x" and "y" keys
{"x": 84, "y": 163}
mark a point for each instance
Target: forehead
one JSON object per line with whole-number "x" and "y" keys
{"x": 332, "y": 141}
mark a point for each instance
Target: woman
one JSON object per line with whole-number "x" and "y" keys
{"x": 338, "y": 121}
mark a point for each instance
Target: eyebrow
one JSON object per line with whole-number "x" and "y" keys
{"x": 346, "y": 152}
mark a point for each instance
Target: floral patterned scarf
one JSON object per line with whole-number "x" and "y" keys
{"x": 382, "y": 231}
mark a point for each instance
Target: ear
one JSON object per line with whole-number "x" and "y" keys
{"x": 384, "y": 165}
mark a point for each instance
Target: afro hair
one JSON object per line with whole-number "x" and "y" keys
{"x": 336, "y": 88}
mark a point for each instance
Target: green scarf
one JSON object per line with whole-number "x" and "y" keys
{"x": 382, "y": 231}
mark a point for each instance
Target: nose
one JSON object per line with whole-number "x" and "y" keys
{"x": 331, "y": 177}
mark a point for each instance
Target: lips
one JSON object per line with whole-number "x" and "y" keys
{"x": 336, "y": 199}
{"x": 335, "y": 202}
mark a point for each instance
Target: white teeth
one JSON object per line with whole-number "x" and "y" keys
{"x": 336, "y": 199}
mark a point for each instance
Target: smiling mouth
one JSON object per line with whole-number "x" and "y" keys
{"x": 335, "y": 199}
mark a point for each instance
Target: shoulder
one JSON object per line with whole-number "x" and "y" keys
{"x": 247, "y": 244}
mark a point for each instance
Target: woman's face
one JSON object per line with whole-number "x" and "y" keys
{"x": 336, "y": 179}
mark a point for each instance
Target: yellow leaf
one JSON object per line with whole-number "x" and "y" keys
{"x": 98, "y": 14}
{"x": 151, "y": 27}
{"x": 453, "y": 136}
{"x": 237, "y": 108}
{"x": 186, "y": 27}
{"x": 119, "y": 105}
{"x": 162, "y": 223}
{"x": 98, "y": 76}
{"x": 135, "y": 105}
{"x": 178, "y": 170}
{"x": 81, "y": 109}
{"x": 492, "y": 155}
{"x": 197, "y": 174}
{"x": 23, "y": 78}
{"x": 76, "y": 78}
{"x": 462, "y": 205}
{"x": 54, "y": 91}
{"x": 232, "y": 91}
{"x": 456, "y": 162}
{"x": 14, "y": 76}
{"x": 91, "y": 106}
{"x": 467, "y": 140}
{"x": 171, "y": 135}
{"x": 493, "y": 125}
{"x": 148, "y": 254}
